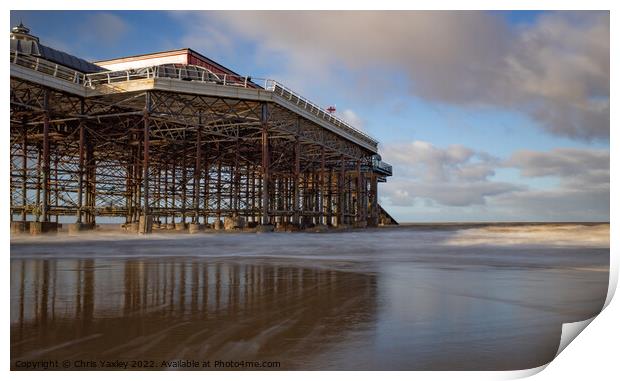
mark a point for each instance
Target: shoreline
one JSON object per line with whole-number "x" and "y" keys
{"x": 117, "y": 229}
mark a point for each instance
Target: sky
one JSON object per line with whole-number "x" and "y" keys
{"x": 485, "y": 116}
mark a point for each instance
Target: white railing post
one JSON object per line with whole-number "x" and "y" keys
{"x": 224, "y": 79}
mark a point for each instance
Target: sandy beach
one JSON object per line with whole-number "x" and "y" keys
{"x": 408, "y": 298}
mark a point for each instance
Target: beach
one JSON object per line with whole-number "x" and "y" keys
{"x": 418, "y": 297}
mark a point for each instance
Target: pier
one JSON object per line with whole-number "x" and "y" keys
{"x": 175, "y": 141}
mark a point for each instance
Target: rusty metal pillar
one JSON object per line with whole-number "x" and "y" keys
{"x": 364, "y": 200}
{"x": 174, "y": 190}
{"x": 184, "y": 186}
{"x": 358, "y": 193}
{"x": 128, "y": 192}
{"x": 56, "y": 159}
{"x": 247, "y": 191}
{"x": 91, "y": 183}
{"x": 253, "y": 213}
{"x": 316, "y": 212}
{"x": 146, "y": 223}
{"x": 130, "y": 184}
{"x": 80, "y": 196}
{"x": 158, "y": 188}
{"x": 24, "y": 168}
{"x": 236, "y": 185}
{"x": 374, "y": 201}
{"x": 330, "y": 211}
{"x": 166, "y": 192}
{"x": 45, "y": 165}
{"x": 138, "y": 179}
{"x": 296, "y": 170}
{"x": 349, "y": 207}
{"x": 265, "y": 162}
{"x": 38, "y": 189}
{"x": 322, "y": 188}
{"x": 341, "y": 193}
{"x": 219, "y": 192}
{"x": 197, "y": 171}
{"x": 231, "y": 190}
{"x": 207, "y": 190}
{"x": 304, "y": 198}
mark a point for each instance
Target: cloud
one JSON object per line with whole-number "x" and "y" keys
{"x": 103, "y": 27}
{"x": 583, "y": 192}
{"x": 556, "y": 70}
{"x": 558, "y": 204}
{"x": 577, "y": 168}
{"x": 461, "y": 194}
{"x": 423, "y": 160}
{"x": 352, "y": 118}
{"x": 460, "y": 177}
{"x": 451, "y": 176}
{"x": 206, "y": 36}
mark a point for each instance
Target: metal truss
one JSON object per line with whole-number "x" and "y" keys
{"x": 177, "y": 158}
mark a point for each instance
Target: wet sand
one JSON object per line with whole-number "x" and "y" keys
{"x": 409, "y": 298}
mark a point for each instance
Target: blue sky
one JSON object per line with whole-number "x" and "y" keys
{"x": 492, "y": 116}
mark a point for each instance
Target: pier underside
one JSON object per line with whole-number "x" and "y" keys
{"x": 157, "y": 158}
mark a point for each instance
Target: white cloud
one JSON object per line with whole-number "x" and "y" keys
{"x": 352, "y": 118}
{"x": 555, "y": 70}
{"x": 451, "y": 176}
{"x": 558, "y": 204}
{"x": 457, "y": 176}
{"x": 580, "y": 170}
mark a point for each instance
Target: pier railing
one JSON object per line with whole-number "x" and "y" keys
{"x": 296, "y": 99}
{"x": 188, "y": 73}
{"x": 200, "y": 74}
{"x": 47, "y": 67}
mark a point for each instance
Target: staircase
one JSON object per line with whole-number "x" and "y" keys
{"x": 385, "y": 218}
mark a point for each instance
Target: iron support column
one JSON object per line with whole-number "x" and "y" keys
{"x": 197, "y": 171}
{"x": 80, "y": 196}
{"x": 146, "y": 227}
{"x": 24, "y": 168}
{"x": 329, "y": 198}
{"x": 341, "y": 195}
{"x": 374, "y": 205}
{"x": 296, "y": 171}
{"x": 322, "y": 188}
{"x": 45, "y": 165}
{"x": 358, "y": 193}
{"x": 265, "y": 162}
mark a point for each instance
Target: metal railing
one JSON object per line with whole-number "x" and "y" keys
{"x": 296, "y": 99}
{"x": 384, "y": 167}
{"x": 187, "y": 73}
{"x": 200, "y": 74}
{"x": 379, "y": 166}
{"x": 173, "y": 71}
{"x": 47, "y": 67}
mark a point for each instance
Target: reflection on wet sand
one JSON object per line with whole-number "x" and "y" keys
{"x": 176, "y": 308}
{"x": 491, "y": 298}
